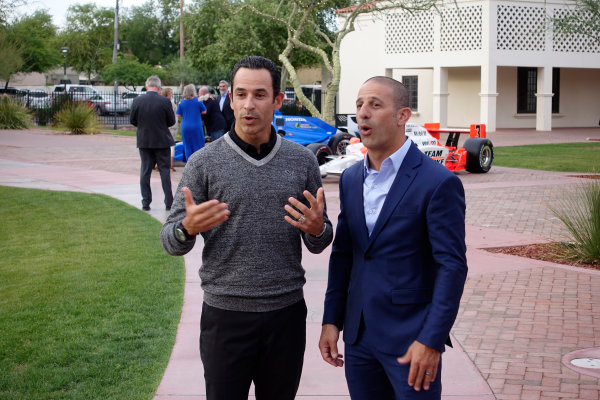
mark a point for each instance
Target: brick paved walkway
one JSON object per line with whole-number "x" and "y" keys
{"x": 519, "y": 320}
{"x": 517, "y": 325}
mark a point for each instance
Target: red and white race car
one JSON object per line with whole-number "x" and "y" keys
{"x": 476, "y": 155}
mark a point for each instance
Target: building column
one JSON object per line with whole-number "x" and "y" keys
{"x": 440, "y": 95}
{"x": 543, "y": 115}
{"x": 488, "y": 96}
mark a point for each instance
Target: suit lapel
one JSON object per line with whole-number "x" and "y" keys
{"x": 404, "y": 178}
{"x": 354, "y": 195}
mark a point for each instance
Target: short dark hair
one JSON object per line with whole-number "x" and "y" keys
{"x": 257, "y": 62}
{"x": 399, "y": 91}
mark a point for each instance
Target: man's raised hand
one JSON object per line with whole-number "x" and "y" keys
{"x": 204, "y": 216}
{"x": 309, "y": 220}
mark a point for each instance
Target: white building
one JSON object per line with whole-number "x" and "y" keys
{"x": 486, "y": 61}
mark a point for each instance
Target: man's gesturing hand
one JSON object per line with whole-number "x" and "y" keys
{"x": 204, "y": 216}
{"x": 328, "y": 345}
{"x": 424, "y": 363}
{"x": 309, "y": 220}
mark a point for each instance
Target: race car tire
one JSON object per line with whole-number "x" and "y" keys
{"x": 339, "y": 142}
{"x": 321, "y": 151}
{"x": 480, "y": 155}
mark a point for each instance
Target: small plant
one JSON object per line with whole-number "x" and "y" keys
{"x": 13, "y": 115}
{"x": 580, "y": 212}
{"x": 78, "y": 118}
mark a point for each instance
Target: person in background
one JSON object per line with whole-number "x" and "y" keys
{"x": 213, "y": 119}
{"x": 152, "y": 114}
{"x": 190, "y": 109}
{"x": 254, "y": 197}
{"x": 398, "y": 266}
{"x": 225, "y": 104}
{"x": 168, "y": 93}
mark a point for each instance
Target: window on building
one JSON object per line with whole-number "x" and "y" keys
{"x": 527, "y": 88}
{"x": 412, "y": 85}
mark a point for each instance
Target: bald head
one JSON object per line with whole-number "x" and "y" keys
{"x": 203, "y": 91}
{"x": 399, "y": 92}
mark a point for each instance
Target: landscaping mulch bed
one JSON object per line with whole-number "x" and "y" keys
{"x": 553, "y": 252}
{"x": 595, "y": 176}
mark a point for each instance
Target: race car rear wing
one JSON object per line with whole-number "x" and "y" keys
{"x": 475, "y": 130}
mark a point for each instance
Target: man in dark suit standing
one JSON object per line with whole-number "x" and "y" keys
{"x": 398, "y": 264}
{"x": 225, "y": 104}
{"x": 152, "y": 114}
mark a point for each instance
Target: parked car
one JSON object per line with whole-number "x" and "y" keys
{"x": 37, "y": 99}
{"x": 11, "y": 91}
{"x": 104, "y": 104}
{"x": 77, "y": 92}
{"x": 128, "y": 98}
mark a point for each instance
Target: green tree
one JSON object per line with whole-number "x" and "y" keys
{"x": 300, "y": 21}
{"x": 220, "y": 32}
{"x": 28, "y": 45}
{"x": 130, "y": 72}
{"x": 152, "y": 31}
{"x": 89, "y": 36}
{"x": 7, "y": 8}
{"x": 183, "y": 71}
{"x": 36, "y": 36}
{"x": 582, "y": 19}
{"x": 12, "y": 58}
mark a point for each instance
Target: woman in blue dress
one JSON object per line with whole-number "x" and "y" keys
{"x": 190, "y": 110}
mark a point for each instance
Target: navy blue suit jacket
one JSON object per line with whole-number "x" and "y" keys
{"x": 406, "y": 279}
{"x": 228, "y": 112}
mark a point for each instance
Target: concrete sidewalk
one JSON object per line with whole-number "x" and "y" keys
{"x": 520, "y": 322}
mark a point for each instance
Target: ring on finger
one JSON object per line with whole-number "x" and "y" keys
{"x": 428, "y": 373}
{"x": 302, "y": 219}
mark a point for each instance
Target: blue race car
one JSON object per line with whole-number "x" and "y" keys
{"x": 321, "y": 138}
{"x": 318, "y": 136}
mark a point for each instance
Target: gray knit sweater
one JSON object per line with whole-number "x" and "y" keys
{"x": 251, "y": 262}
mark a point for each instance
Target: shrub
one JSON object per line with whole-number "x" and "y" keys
{"x": 580, "y": 212}
{"x": 78, "y": 118}
{"x": 13, "y": 115}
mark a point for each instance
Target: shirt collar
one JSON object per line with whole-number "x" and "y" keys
{"x": 395, "y": 159}
{"x": 265, "y": 148}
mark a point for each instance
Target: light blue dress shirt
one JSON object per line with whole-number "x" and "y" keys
{"x": 222, "y": 100}
{"x": 377, "y": 184}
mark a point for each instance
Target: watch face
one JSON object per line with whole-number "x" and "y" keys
{"x": 180, "y": 235}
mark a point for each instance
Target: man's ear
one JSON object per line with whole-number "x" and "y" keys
{"x": 402, "y": 115}
{"x": 278, "y": 100}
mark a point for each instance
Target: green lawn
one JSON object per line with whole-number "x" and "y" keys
{"x": 563, "y": 157}
{"x": 89, "y": 301}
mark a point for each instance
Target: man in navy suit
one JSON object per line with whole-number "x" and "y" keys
{"x": 398, "y": 265}
{"x": 225, "y": 104}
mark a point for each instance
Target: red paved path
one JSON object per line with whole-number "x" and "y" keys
{"x": 520, "y": 320}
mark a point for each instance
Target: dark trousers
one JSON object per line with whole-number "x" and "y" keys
{"x": 372, "y": 374}
{"x": 150, "y": 158}
{"x": 266, "y": 348}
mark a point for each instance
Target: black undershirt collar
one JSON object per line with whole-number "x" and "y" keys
{"x": 249, "y": 149}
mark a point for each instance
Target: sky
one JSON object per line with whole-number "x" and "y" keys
{"x": 58, "y": 8}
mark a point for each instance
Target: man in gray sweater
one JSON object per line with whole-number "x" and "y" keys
{"x": 254, "y": 197}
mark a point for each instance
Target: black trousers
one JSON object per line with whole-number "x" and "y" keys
{"x": 162, "y": 158}
{"x": 266, "y": 348}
